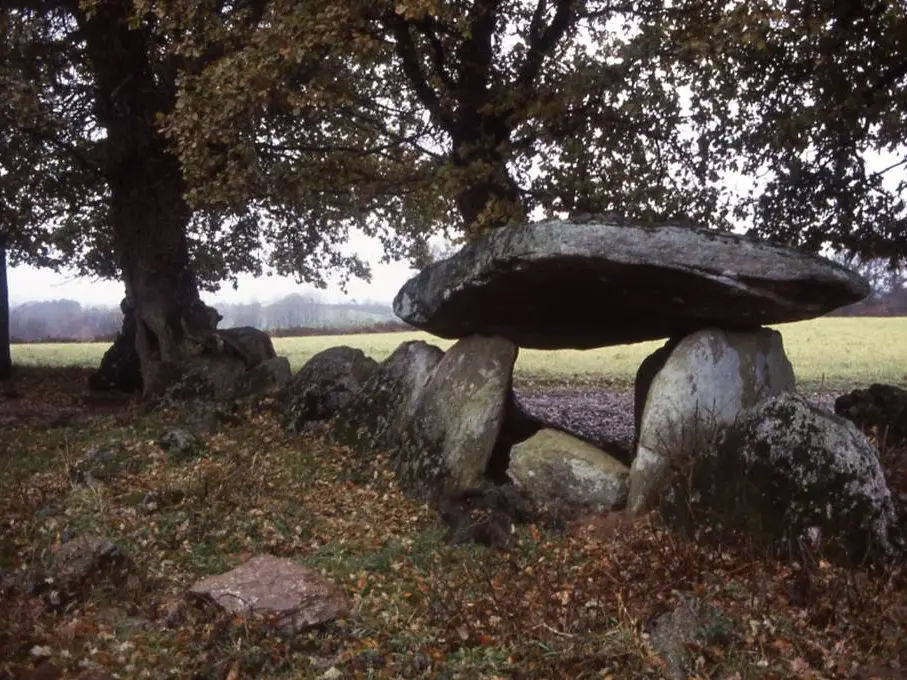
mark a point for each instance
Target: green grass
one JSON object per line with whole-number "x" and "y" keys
{"x": 835, "y": 352}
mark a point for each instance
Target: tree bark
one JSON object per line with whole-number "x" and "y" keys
{"x": 6, "y": 363}
{"x": 148, "y": 213}
{"x": 489, "y": 197}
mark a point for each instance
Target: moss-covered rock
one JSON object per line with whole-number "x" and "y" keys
{"x": 788, "y": 476}
{"x": 555, "y": 469}
{"x": 376, "y": 418}
{"x": 325, "y": 384}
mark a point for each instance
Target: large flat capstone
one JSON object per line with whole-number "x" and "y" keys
{"x": 580, "y": 284}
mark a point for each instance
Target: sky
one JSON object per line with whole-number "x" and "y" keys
{"x": 27, "y": 284}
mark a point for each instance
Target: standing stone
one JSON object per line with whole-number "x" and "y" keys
{"x": 377, "y": 417}
{"x": 535, "y": 284}
{"x": 557, "y": 470}
{"x": 452, "y": 434}
{"x": 707, "y": 380}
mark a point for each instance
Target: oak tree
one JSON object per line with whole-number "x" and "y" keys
{"x": 455, "y": 115}
{"x": 88, "y": 181}
{"x": 767, "y": 115}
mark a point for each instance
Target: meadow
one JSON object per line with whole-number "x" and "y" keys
{"x": 827, "y": 352}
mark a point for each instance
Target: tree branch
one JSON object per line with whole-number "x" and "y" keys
{"x": 542, "y": 42}
{"x": 406, "y": 52}
{"x": 427, "y": 26}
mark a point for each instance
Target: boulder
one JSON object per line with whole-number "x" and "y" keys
{"x": 557, "y": 470}
{"x": 645, "y": 374}
{"x": 296, "y": 596}
{"x": 709, "y": 377}
{"x": 207, "y": 378}
{"x": 451, "y": 437}
{"x": 266, "y": 377}
{"x": 325, "y": 384}
{"x": 788, "y": 475}
{"x": 252, "y": 345}
{"x": 534, "y": 284}
{"x": 120, "y": 368}
{"x": 377, "y": 417}
{"x": 882, "y": 408}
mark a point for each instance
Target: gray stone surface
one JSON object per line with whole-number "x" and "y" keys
{"x": 571, "y": 284}
{"x": 376, "y": 418}
{"x": 555, "y": 469}
{"x": 325, "y": 384}
{"x": 708, "y": 378}
{"x": 452, "y": 435}
{"x": 297, "y": 596}
{"x": 788, "y": 475}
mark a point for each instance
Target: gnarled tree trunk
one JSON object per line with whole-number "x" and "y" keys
{"x": 148, "y": 213}
{"x": 6, "y": 363}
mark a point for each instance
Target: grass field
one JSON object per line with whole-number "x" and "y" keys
{"x": 835, "y": 352}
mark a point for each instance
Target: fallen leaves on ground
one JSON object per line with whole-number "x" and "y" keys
{"x": 572, "y": 603}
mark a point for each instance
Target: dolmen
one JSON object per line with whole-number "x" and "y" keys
{"x": 719, "y": 397}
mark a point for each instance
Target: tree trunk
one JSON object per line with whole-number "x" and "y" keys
{"x": 148, "y": 213}
{"x": 6, "y": 363}
{"x": 489, "y": 196}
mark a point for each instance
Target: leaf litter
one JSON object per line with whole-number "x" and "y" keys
{"x": 575, "y": 601}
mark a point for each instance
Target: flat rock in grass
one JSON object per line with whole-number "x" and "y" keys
{"x": 376, "y": 418}
{"x": 297, "y": 596}
{"x": 451, "y": 437}
{"x": 579, "y": 284}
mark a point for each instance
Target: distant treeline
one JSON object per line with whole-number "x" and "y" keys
{"x": 893, "y": 303}
{"x": 68, "y": 321}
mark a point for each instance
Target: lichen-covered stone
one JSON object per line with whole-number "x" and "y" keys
{"x": 268, "y": 376}
{"x": 555, "y": 469}
{"x": 882, "y": 408}
{"x": 708, "y": 378}
{"x": 451, "y": 437}
{"x": 325, "y": 384}
{"x": 788, "y": 474}
{"x": 376, "y": 418}
{"x": 534, "y": 284}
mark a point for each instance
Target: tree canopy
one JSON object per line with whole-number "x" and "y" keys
{"x": 448, "y": 115}
{"x": 808, "y": 102}
{"x": 786, "y": 118}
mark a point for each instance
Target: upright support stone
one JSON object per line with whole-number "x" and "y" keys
{"x": 378, "y": 416}
{"x": 452, "y": 434}
{"x": 708, "y": 379}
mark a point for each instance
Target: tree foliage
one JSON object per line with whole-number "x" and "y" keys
{"x": 447, "y": 115}
{"x": 788, "y": 118}
{"x": 60, "y": 156}
{"x": 808, "y": 102}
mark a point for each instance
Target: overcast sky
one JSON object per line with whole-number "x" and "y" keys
{"x": 28, "y": 284}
